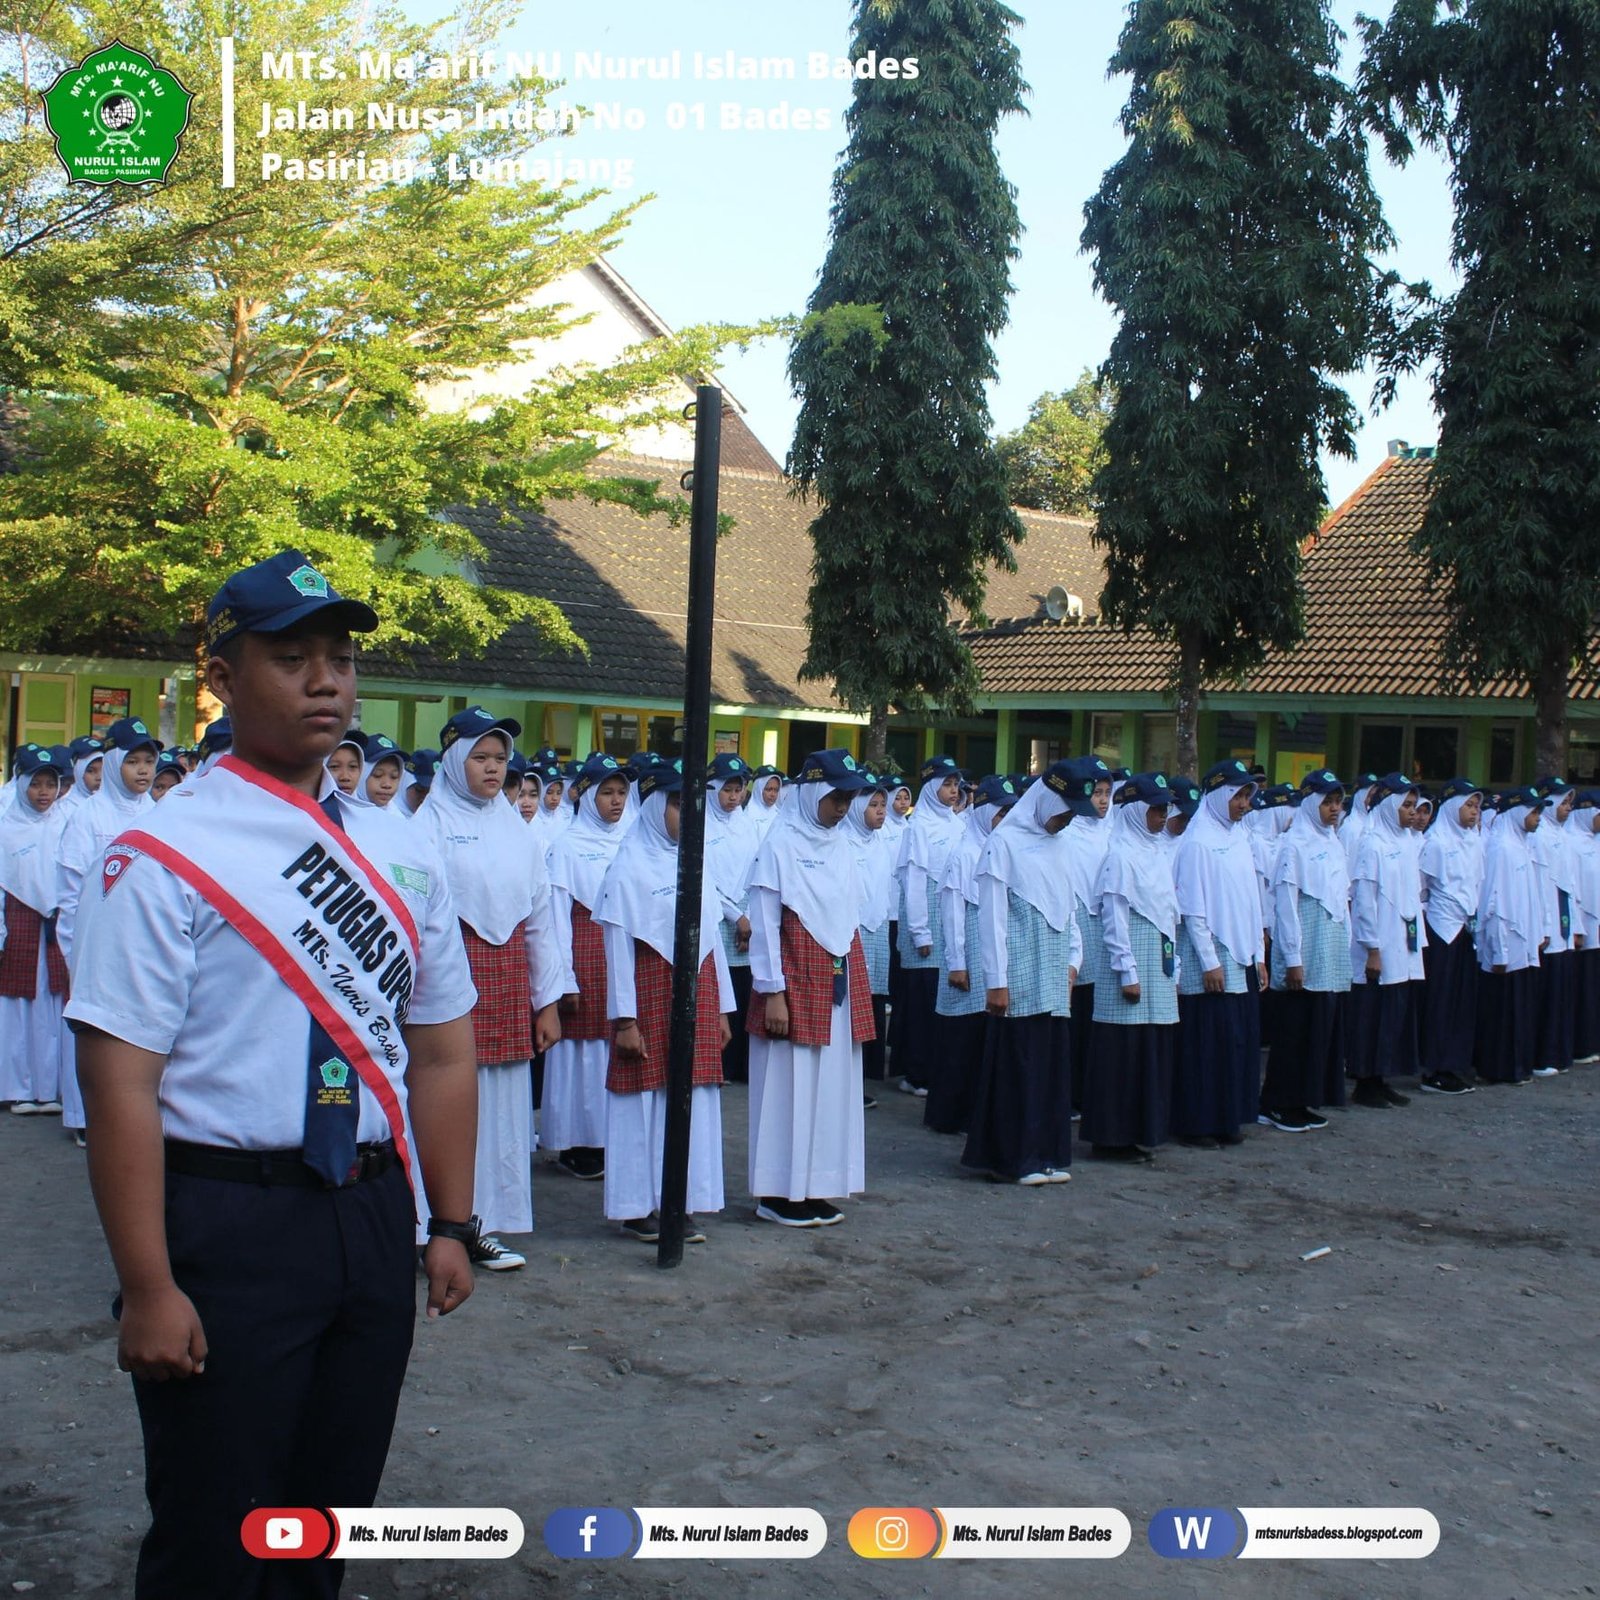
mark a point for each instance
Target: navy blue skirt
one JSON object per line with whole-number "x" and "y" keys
{"x": 1449, "y": 1005}
{"x": 915, "y": 1046}
{"x": 1381, "y": 1030}
{"x": 1022, "y": 1112}
{"x": 1558, "y": 1009}
{"x": 1215, "y": 1089}
{"x": 1305, "y": 1063}
{"x": 1127, "y": 1095}
{"x": 954, "y": 1079}
{"x": 1508, "y": 1020}
{"x": 1586, "y": 1028}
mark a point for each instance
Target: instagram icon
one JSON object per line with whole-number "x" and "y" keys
{"x": 893, "y": 1533}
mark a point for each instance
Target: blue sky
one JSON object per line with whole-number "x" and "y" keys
{"x": 739, "y": 225}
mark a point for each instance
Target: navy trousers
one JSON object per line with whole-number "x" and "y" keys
{"x": 307, "y": 1298}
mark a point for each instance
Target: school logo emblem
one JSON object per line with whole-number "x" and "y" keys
{"x": 117, "y": 861}
{"x": 309, "y": 582}
{"x": 1161, "y": 782}
{"x": 117, "y": 117}
{"x": 849, "y": 764}
{"x": 335, "y": 1074}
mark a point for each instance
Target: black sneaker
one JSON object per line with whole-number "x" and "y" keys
{"x": 1392, "y": 1095}
{"x": 1369, "y": 1092}
{"x": 646, "y": 1229}
{"x": 487, "y": 1252}
{"x": 824, "y": 1213}
{"x": 1287, "y": 1121}
{"x": 1120, "y": 1152}
{"x": 1444, "y": 1083}
{"x": 583, "y": 1163}
{"x": 786, "y": 1213}
{"x": 1312, "y": 1119}
{"x": 868, "y": 1103}
{"x": 1198, "y": 1141}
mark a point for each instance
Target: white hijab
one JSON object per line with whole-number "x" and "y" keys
{"x": 1027, "y": 860}
{"x": 580, "y": 858}
{"x": 361, "y": 798}
{"x": 639, "y": 893}
{"x": 113, "y": 807}
{"x": 1453, "y": 860}
{"x": 27, "y": 858}
{"x": 1215, "y": 874}
{"x": 874, "y": 855}
{"x": 961, "y": 866}
{"x": 812, "y": 869}
{"x": 493, "y": 868}
{"x": 732, "y": 840}
{"x": 1383, "y": 858}
{"x": 1088, "y": 838}
{"x": 1551, "y": 846}
{"x": 1584, "y": 845}
{"x": 1510, "y": 884}
{"x": 935, "y": 828}
{"x": 1137, "y": 868}
{"x": 1311, "y": 858}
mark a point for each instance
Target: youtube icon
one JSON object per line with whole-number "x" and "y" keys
{"x": 287, "y": 1533}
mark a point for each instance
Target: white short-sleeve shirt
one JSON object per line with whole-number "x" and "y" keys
{"x": 160, "y": 968}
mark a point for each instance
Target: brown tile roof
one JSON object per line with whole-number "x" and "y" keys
{"x": 622, "y": 580}
{"x": 1372, "y": 627}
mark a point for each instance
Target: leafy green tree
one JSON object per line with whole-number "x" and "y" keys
{"x": 893, "y": 435}
{"x": 210, "y": 374}
{"x": 1235, "y": 238}
{"x": 1053, "y": 457}
{"x": 1511, "y": 93}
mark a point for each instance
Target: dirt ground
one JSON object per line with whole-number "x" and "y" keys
{"x": 1137, "y": 1339}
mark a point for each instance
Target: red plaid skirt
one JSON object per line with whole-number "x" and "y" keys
{"x": 502, "y": 1020}
{"x": 589, "y": 964}
{"x": 19, "y": 961}
{"x": 652, "y": 983}
{"x": 808, "y": 981}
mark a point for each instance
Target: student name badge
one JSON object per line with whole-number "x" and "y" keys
{"x": 1169, "y": 957}
{"x": 1411, "y": 935}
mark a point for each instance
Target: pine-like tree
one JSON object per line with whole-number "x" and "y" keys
{"x": 1512, "y": 94}
{"x": 893, "y": 435}
{"x": 1235, "y": 238}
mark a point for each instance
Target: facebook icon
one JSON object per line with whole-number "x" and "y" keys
{"x": 599, "y": 1532}
{"x": 1194, "y": 1533}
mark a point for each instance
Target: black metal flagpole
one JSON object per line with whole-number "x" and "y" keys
{"x": 702, "y": 485}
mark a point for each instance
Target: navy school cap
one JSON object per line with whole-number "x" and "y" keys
{"x": 837, "y": 769}
{"x": 547, "y": 771}
{"x": 934, "y": 770}
{"x": 665, "y": 777}
{"x": 1459, "y": 788}
{"x": 595, "y": 771}
{"x": 518, "y": 767}
{"x": 1553, "y": 788}
{"x": 85, "y": 745}
{"x": 130, "y": 734}
{"x": 168, "y": 761}
{"x": 1279, "y": 794}
{"x": 1074, "y": 781}
{"x": 421, "y": 766}
{"x": 356, "y": 740}
{"x": 996, "y": 790}
{"x": 62, "y": 754}
{"x": 1230, "y": 774}
{"x": 475, "y": 722}
{"x": 1510, "y": 799}
{"x": 1395, "y": 783}
{"x": 1587, "y": 799}
{"x": 277, "y": 593}
{"x": 1320, "y": 780}
{"x": 218, "y": 736}
{"x": 725, "y": 766}
{"x": 32, "y": 758}
{"x": 1185, "y": 795}
{"x": 1150, "y": 787}
{"x": 380, "y": 745}
{"x": 1121, "y": 774}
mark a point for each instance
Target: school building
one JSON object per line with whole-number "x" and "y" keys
{"x": 1364, "y": 690}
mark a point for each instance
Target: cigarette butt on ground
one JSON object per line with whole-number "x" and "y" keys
{"x": 1321, "y": 1250}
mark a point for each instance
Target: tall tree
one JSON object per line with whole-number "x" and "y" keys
{"x": 1235, "y": 238}
{"x": 209, "y": 374}
{"x": 893, "y": 435}
{"x": 1053, "y": 457}
{"x": 1512, "y": 535}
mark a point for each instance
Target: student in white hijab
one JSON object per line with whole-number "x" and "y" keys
{"x": 1451, "y": 864}
{"x": 638, "y": 912}
{"x": 732, "y": 839}
{"x": 1084, "y": 847}
{"x": 1127, "y": 1091}
{"x": 346, "y": 760}
{"x": 572, "y": 1111}
{"x": 33, "y": 975}
{"x": 88, "y": 754}
{"x": 1366, "y": 792}
{"x": 1221, "y": 970}
{"x": 501, "y": 892}
{"x": 1585, "y": 846}
{"x": 1386, "y": 937}
{"x": 766, "y": 790}
{"x": 128, "y": 767}
{"x": 1558, "y": 991}
{"x": 1310, "y": 962}
{"x": 555, "y": 813}
{"x": 1512, "y": 929}
{"x": 383, "y": 772}
{"x": 963, "y": 991}
{"x": 1020, "y": 1127}
{"x": 936, "y": 824}
{"x": 812, "y": 1007}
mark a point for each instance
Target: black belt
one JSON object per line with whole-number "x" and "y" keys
{"x": 273, "y": 1168}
